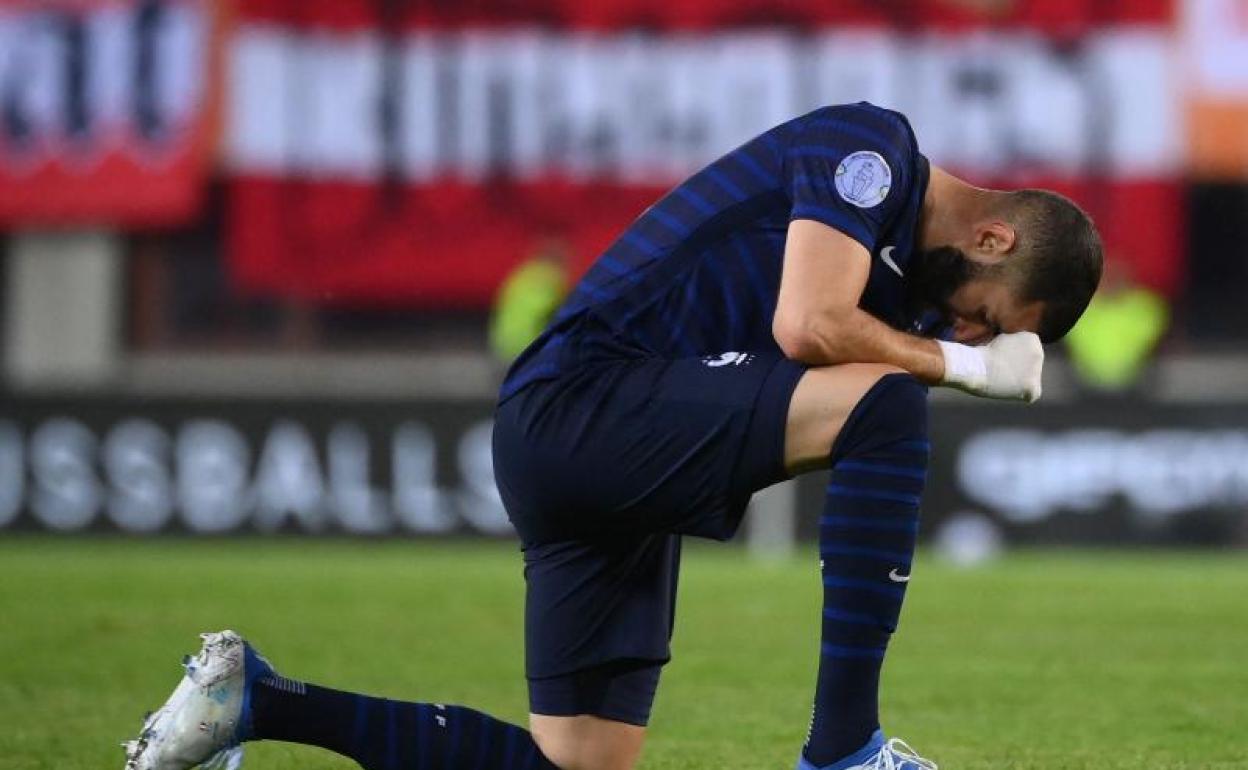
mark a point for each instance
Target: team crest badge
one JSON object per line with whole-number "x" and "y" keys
{"x": 863, "y": 178}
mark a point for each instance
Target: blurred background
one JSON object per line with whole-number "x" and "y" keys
{"x": 263, "y": 262}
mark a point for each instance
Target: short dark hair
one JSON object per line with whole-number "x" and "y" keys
{"x": 1058, "y": 257}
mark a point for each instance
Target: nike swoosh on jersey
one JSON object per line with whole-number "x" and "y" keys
{"x": 886, "y": 256}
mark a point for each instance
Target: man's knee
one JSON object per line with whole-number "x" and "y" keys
{"x": 587, "y": 742}
{"x": 902, "y": 396}
{"x": 893, "y": 410}
{"x": 827, "y": 398}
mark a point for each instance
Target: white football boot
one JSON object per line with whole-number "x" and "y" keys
{"x": 208, "y": 715}
{"x": 878, "y": 754}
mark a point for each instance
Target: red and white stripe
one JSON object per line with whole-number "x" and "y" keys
{"x": 566, "y": 121}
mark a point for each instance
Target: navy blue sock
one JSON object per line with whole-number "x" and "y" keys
{"x": 866, "y": 545}
{"x": 383, "y": 734}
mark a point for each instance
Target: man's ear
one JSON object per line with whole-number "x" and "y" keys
{"x": 994, "y": 239}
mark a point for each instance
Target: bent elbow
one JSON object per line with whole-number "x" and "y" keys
{"x": 796, "y": 339}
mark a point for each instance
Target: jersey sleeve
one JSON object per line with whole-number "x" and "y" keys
{"x": 851, "y": 169}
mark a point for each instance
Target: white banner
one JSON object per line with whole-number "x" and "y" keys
{"x": 635, "y": 108}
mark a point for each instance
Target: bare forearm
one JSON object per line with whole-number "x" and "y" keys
{"x": 859, "y": 337}
{"x": 818, "y": 321}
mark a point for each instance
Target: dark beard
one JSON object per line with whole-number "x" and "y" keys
{"x": 934, "y": 277}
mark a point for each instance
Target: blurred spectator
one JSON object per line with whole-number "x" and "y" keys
{"x": 527, "y": 299}
{"x": 1114, "y": 341}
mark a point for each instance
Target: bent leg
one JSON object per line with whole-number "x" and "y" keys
{"x": 594, "y": 719}
{"x": 870, "y": 425}
{"x": 587, "y": 742}
{"x": 821, "y": 403}
{"x": 598, "y": 623}
{"x": 594, "y": 655}
{"x": 384, "y": 734}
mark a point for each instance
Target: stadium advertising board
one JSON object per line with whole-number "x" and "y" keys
{"x": 1047, "y": 474}
{"x": 107, "y": 110}
{"x": 438, "y": 146}
{"x": 1091, "y": 473}
{"x": 213, "y": 468}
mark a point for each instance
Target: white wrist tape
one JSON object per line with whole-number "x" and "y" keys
{"x": 965, "y": 366}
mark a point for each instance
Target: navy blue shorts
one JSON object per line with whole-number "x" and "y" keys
{"x": 602, "y": 470}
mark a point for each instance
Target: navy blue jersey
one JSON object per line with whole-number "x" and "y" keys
{"x": 698, "y": 273}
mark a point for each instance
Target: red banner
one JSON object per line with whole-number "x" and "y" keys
{"x": 106, "y": 111}
{"x": 416, "y": 158}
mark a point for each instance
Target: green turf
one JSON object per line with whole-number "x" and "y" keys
{"x": 1076, "y": 660}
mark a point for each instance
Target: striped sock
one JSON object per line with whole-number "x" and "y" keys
{"x": 285, "y": 685}
{"x": 866, "y": 542}
{"x": 383, "y": 734}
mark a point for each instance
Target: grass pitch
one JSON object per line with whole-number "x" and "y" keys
{"x": 1038, "y": 661}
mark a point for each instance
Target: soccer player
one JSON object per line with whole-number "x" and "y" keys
{"x": 784, "y": 309}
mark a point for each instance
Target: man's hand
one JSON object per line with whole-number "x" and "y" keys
{"x": 1009, "y": 367}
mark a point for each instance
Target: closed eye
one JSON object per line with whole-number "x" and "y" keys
{"x": 993, "y": 327}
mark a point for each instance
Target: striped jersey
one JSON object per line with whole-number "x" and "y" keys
{"x": 698, "y": 273}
